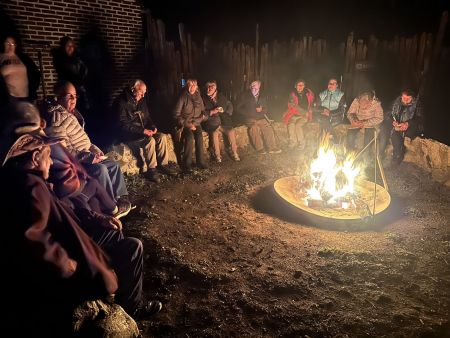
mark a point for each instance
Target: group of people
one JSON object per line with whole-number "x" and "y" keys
{"x": 403, "y": 118}
{"x": 66, "y": 198}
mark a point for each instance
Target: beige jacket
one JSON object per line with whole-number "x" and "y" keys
{"x": 64, "y": 124}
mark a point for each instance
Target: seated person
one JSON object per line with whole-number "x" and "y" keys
{"x": 137, "y": 129}
{"x": 366, "y": 113}
{"x": 218, "y": 110}
{"x": 299, "y": 112}
{"x": 330, "y": 107}
{"x": 188, "y": 116}
{"x": 253, "y": 107}
{"x": 403, "y": 119}
{"x": 62, "y": 120}
{"x": 51, "y": 248}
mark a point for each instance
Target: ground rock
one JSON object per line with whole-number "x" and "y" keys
{"x": 99, "y": 319}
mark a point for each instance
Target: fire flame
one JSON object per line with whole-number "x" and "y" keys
{"x": 331, "y": 180}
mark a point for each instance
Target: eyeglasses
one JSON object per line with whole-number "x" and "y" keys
{"x": 72, "y": 97}
{"x": 332, "y": 83}
{"x": 11, "y": 44}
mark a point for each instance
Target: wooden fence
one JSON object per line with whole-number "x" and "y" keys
{"x": 277, "y": 64}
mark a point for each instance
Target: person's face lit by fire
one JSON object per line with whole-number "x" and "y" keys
{"x": 192, "y": 86}
{"x": 406, "y": 99}
{"x": 300, "y": 86}
{"x": 332, "y": 85}
{"x": 211, "y": 88}
{"x": 254, "y": 87}
{"x": 364, "y": 102}
{"x": 69, "y": 47}
{"x": 10, "y": 45}
{"x": 42, "y": 161}
{"x": 139, "y": 91}
{"x": 68, "y": 99}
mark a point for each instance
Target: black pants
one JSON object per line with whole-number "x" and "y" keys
{"x": 398, "y": 141}
{"x": 188, "y": 137}
{"x": 126, "y": 255}
{"x": 351, "y": 137}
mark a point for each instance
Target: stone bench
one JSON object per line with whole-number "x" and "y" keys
{"x": 430, "y": 155}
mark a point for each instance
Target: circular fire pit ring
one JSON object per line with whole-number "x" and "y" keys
{"x": 287, "y": 188}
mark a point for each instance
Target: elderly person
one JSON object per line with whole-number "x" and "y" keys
{"x": 19, "y": 75}
{"x": 253, "y": 107}
{"x": 403, "y": 119}
{"x": 218, "y": 111}
{"x": 188, "y": 116}
{"x": 365, "y": 113}
{"x": 63, "y": 120}
{"x": 51, "y": 247}
{"x": 137, "y": 129}
{"x": 45, "y": 244}
{"x": 330, "y": 106}
{"x": 298, "y": 114}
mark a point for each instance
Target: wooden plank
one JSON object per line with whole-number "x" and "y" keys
{"x": 184, "y": 52}
{"x": 256, "y": 69}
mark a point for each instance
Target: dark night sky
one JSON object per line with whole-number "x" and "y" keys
{"x": 282, "y": 19}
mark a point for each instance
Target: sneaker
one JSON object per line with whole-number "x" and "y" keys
{"x": 123, "y": 208}
{"x": 165, "y": 169}
{"x": 153, "y": 175}
{"x": 276, "y": 151}
{"x": 235, "y": 157}
{"x": 262, "y": 152}
{"x": 147, "y": 309}
{"x": 187, "y": 170}
{"x": 218, "y": 159}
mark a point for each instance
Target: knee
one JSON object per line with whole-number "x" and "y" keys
{"x": 135, "y": 246}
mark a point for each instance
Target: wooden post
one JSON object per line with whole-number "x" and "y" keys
{"x": 256, "y": 71}
{"x": 184, "y": 53}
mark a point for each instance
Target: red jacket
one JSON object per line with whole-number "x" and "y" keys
{"x": 293, "y": 106}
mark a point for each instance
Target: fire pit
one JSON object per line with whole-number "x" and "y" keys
{"x": 330, "y": 190}
{"x": 288, "y": 189}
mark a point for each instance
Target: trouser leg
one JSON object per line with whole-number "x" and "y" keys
{"x": 116, "y": 177}
{"x": 149, "y": 149}
{"x": 162, "y": 154}
{"x": 267, "y": 134}
{"x": 254, "y": 134}
{"x": 214, "y": 144}
{"x": 231, "y": 136}
{"x": 199, "y": 152}
{"x": 187, "y": 137}
{"x": 299, "y": 132}
{"x": 398, "y": 140}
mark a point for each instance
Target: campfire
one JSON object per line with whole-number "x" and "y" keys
{"x": 331, "y": 187}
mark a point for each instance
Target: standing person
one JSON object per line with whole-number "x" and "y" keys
{"x": 365, "y": 113}
{"x": 137, "y": 129}
{"x": 188, "y": 115}
{"x": 20, "y": 76}
{"x": 298, "y": 114}
{"x": 253, "y": 106}
{"x": 330, "y": 105}
{"x": 62, "y": 121}
{"x": 71, "y": 68}
{"x": 404, "y": 119}
{"x": 218, "y": 111}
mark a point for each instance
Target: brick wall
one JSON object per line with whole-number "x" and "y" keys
{"x": 113, "y": 28}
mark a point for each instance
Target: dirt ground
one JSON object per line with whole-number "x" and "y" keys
{"x": 228, "y": 259}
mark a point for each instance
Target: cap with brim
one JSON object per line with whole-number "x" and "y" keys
{"x": 28, "y": 143}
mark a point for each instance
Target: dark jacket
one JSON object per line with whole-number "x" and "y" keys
{"x": 247, "y": 105}
{"x": 43, "y": 236}
{"x": 189, "y": 109}
{"x": 133, "y": 117}
{"x": 69, "y": 68}
{"x": 219, "y": 119}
